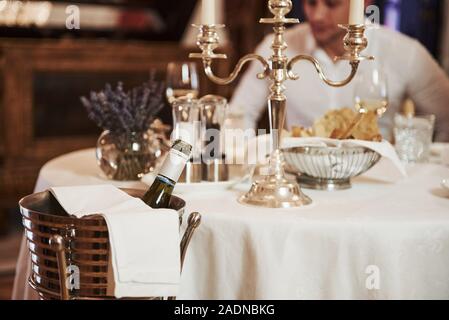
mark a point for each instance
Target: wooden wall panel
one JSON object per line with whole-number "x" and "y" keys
{"x": 21, "y": 152}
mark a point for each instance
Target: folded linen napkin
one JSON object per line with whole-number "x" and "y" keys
{"x": 144, "y": 242}
{"x": 391, "y": 164}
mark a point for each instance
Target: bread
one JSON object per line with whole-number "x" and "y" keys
{"x": 335, "y": 122}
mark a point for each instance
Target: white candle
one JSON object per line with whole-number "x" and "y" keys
{"x": 208, "y": 12}
{"x": 356, "y": 12}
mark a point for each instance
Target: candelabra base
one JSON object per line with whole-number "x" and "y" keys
{"x": 275, "y": 192}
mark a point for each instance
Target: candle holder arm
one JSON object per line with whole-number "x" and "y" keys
{"x": 238, "y": 68}
{"x": 354, "y": 67}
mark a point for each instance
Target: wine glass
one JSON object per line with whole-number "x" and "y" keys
{"x": 182, "y": 81}
{"x": 371, "y": 91}
{"x": 370, "y": 95}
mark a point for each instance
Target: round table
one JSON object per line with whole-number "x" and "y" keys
{"x": 377, "y": 240}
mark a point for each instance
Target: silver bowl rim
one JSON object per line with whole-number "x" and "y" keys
{"x": 307, "y": 149}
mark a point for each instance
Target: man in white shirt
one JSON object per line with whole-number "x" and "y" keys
{"x": 410, "y": 70}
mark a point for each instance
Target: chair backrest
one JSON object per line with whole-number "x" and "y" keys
{"x": 58, "y": 242}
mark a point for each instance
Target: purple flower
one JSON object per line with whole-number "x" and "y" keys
{"x": 125, "y": 112}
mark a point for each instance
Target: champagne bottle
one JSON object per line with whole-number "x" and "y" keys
{"x": 159, "y": 194}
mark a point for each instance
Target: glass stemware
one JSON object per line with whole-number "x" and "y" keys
{"x": 182, "y": 81}
{"x": 370, "y": 95}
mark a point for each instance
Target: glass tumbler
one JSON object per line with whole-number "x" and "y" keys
{"x": 187, "y": 127}
{"x": 413, "y": 137}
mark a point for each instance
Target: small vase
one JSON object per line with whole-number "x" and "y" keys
{"x": 129, "y": 156}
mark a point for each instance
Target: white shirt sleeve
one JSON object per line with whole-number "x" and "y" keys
{"x": 428, "y": 87}
{"x": 250, "y": 97}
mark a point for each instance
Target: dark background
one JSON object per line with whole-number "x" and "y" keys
{"x": 420, "y": 19}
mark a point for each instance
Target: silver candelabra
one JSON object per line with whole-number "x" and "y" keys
{"x": 275, "y": 190}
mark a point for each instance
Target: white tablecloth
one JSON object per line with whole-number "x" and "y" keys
{"x": 375, "y": 241}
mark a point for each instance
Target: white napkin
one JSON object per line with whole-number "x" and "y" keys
{"x": 144, "y": 242}
{"x": 391, "y": 164}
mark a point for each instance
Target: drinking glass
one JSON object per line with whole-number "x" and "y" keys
{"x": 182, "y": 81}
{"x": 187, "y": 124}
{"x": 213, "y": 114}
{"x": 371, "y": 94}
{"x": 413, "y": 136}
{"x": 371, "y": 91}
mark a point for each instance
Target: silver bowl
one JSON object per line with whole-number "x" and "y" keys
{"x": 328, "y": 168}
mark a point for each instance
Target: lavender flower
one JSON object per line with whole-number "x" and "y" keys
{"x": 125, "y": 112}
